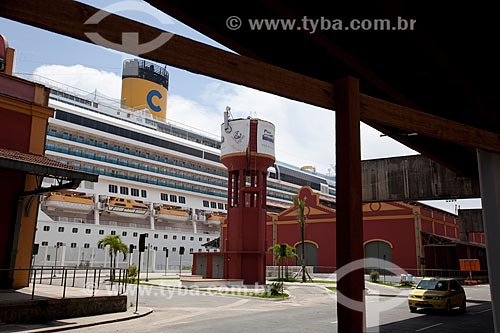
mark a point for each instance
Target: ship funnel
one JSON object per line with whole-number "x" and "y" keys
{"x": 145, "y": 86}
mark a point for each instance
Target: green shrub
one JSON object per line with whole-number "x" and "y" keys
{"x": 407, "y": 283}
{"x": 275, "y": 289}
{"x": 374, "y": 275}
{"x": 132, "y": 271}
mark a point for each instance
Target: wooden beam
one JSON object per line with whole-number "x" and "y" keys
{"x": 374, "y": 110}
{"x": 67, "y": 17}
{"x": 349, "y": 228}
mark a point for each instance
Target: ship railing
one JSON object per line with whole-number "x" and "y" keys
{"x": 111, "y": 279}
{"x": 138, "y": 154}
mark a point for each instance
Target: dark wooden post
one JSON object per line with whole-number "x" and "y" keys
{"x": 349, "y": 206}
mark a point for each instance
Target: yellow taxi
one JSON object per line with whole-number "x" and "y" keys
{"x": 437, "y": 293}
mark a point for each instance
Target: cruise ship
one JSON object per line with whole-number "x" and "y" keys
{"x": 156, "y": 176}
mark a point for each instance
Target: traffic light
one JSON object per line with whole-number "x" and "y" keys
{"x": 131, "y": 248}
{"x": 181, "y": 250}
{"x": 166, "y": 253}
{"x": 142, "y": 242}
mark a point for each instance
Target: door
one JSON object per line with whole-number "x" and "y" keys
{"x": 310, "y": 254}
{"x": 218, "y": 266}
{"x": 379, "y": 250}
{"x": 201, "y": 265}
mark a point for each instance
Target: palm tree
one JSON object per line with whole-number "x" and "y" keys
{"x": 301, "y": 218}
{"x": 115, "y": 245}
{"x": 289, "y": 254}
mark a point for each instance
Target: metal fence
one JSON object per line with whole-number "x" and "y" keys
{"x": 90, "y": 278}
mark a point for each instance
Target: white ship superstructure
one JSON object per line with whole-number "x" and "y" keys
{"x": 155, "y": 177}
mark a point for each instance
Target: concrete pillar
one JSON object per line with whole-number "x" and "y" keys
{"x": 489, "y": 180}
{"x": 349, "y": 226}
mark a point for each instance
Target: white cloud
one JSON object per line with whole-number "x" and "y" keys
{"x": 305, "y": 135}
{"x": 84, "y": 78}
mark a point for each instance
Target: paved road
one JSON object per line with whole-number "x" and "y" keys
{"x": 310, "y": 308}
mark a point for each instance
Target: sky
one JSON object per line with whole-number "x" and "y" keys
{"x": 305, "y": 135}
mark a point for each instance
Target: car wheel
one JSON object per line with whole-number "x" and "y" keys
{"x": 413, "y": 309}
{"x": 463, "y": 306}
{"x": 448, "y": 307}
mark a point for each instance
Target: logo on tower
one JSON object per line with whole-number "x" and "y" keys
{"x": 149, "y": 100}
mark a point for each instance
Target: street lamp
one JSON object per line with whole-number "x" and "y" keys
{"x": 166, "y": 260}
{"x": 181, "y": 252}
{"x": 147, "y": 265}
{"x": 55, "y": 259}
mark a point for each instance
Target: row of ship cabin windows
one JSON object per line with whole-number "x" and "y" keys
{"x": 87, "y": 246}
{"x": 125, "y": 190}
{"x": 215, "y": 205}
{"x": 135, "y": 193}
{"x": 124, "y": 233}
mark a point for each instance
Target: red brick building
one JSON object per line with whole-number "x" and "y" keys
{"x": 413, "y": 236}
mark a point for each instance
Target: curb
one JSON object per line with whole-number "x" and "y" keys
{"x": 95, "y": 323}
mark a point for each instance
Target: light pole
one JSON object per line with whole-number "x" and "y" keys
{"x": 166, "y": 260}
{"x": 181, "y": 252}
{"x": 55, "y": 259}
{"x": 147, "y": 265}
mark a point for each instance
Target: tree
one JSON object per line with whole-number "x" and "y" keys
{"x": 289, "y": 253}
{"x": 301, "y": 219}
{"x": 115, "y": 245}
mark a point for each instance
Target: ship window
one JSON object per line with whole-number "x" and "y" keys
{"x": 124, "y": 233}
{"x": 113, "y": 232}
{"x": 134, "y": 192}
{"x": 123, "y": 190}
{"x": 86, "y": 245}
{"x": 165, "y": 236}
{"x": 225, "y": 206}
{"x": 156, "y": 236}
{"x": 74, "y": 230}
{"x": 60, "y": 229}
{"x": 147, "y": 235}
{"x": 59, "y": 244}
{"x": 183, "y": 237}
{"x": 199, "y": 250}
{"x": 88, "y": 231}
{"x": 155, "y": 248}
{"x": 45, "y": 243}
{"x": 174, "y": 237}
{"x": 182, "y": 199}
{"x": 164, "y": 196}
{"x": 200, "y": 239}
{"x": 173, "y": 198}
{"x": 73, "y": 245}
{"x": 191, "y": 250}
{"x": 208, "y": 239}
{"x": 113, "y": 188}
{"x": 144, "y": 193}
{"x": 174, "y": 249}
{"x": 101, "y": 232}
{"x": 191, "y": 238}
{"x": 134, "y": 234}
{"x": 165, "y": 248}
{"x": 220, "y": 205}
{"x": 206, "y": 203}
{"x": 213, "y": 204}
{"x": 46, "y": 228}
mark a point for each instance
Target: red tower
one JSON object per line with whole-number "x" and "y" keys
{"x": 247, "y": 151}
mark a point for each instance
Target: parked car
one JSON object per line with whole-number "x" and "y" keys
{"x": 437, "y": 293}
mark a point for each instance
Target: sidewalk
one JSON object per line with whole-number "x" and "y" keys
{"x": 10, "y": 300}
{"x": 75, "y": 323}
